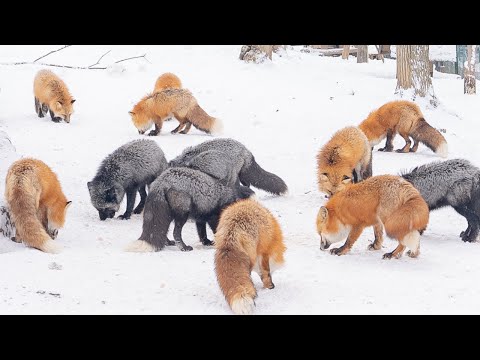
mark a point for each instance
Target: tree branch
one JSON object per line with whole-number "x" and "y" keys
{"x": 130, "y": 58}
{"x": 98, "y": 61}
{"x": 51, "y": 52}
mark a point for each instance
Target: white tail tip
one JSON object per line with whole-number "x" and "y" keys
{"x": 217, "y": 127}
{"x": 139, "y": 246}
{"x": 51, "y": 247}
{"x": 243, "y": 306}
{"x": 442, "y": 150}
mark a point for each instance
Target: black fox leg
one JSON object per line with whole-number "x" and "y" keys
{"x": 414, "y": 148}
{"x": 187, "y": 128}
{"x": 38, "y": 108}
{"x": 471, "y": 233}
{"x": 54, "y": 119}
{"x": 369, "y": 170}
{"x": 355, "y": 176}
{"x": 406, "y": 147}
{"x": 177, "y": 233}
{"x": 178, "y": 128}
{"x": 143, "y": 197}
{"x": 213, "y": 222}
{"x": 156, "y": 131}
{"x": 45, "y": 109}
{"x": 131, "y": 196}
{"x": 202, "y": 233}
{"x": 389, "y": 143}
{"x": 156, "y": 221}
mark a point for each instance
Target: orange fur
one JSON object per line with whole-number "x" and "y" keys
{"x": 405, "y": 118}
{"x": 346, "y": 151}
{"x": 180, "y": 103}
{"x": 248, "y": 237}
{"x": 37, "y": 203}
{"x": 386, "y": 200}
{"x": 167, "y": 81}
{"x": 52, "y": 91}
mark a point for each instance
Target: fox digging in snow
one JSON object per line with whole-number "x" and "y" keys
{"x": 155, "y": 108}
{"x": 454, "y": 183}
{"x": 244, "y": 164}
{"x": 405, "y": 118}
{"x": 248, "y": 238}
{"x": 51, "y": 94}
{"x": 129, "y": 169}
{"x": 380, "y": 200}
{"x": 37, "y": 204}
{"x": 345, "y": 158}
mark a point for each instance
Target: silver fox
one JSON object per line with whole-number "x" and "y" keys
{"x": 225, "y": 151}
{"x": 128, "y": 169}
{"x": 454, "y": 183}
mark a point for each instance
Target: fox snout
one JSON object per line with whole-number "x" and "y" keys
{"x": 106, "y": 214}
{"x": 141, "y": 132}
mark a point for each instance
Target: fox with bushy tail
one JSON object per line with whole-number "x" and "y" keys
{"x": 244, "y": 164}
{"x": 248, "y": 238}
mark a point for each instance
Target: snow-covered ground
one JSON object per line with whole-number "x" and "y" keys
{"x": 283, "y": 112}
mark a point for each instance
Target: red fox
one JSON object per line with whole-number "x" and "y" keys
{"x": 155, "y": 108}
{"x": 37, "y": 203}
{"x": 345, "y": 158}
{"x": 386, "y": 200}
{"x": 405, "y": 118}
{"x": 248, "y": 237}
{"x": 51, "y": 94}
{"x": 167, "y": 81}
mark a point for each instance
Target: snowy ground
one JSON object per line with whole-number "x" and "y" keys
{"x": 283, "y": 112}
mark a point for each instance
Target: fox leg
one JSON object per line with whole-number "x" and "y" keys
{"x": 406, "y": 148}
{"x": 180, "y": 204}
{"x": 38, "y": 108}
{"x": 131, "y": 196}
{"x": 187, "y": 128}
{"x": 54, "y": 119}
{"x": 265, "y": 274}
{"x": 414, "y": 148}
{"x": 397, "y": 253}
{"x": 352, "y": 237}
{"x": 389, "y": 143}
{"x": 471, "y": 233}
{"x": 155, "y": 131}
{"x": 178, "y": 128}
{"x": 177, "y": 233}
{"x": 378, "y": 232}
{"x": 202, "y": 233}
{"x": 143, "y": 197}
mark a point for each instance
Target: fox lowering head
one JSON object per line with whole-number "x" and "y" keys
{"x": 62, "y": 109}
{"x": 330, "y": 229}
{"x": 106, "y": 198}
{"x": 333, "y": 182}
{"x": 141, "y": 118}
{"x": 56, "y": 217}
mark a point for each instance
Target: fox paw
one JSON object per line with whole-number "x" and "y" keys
{"x": 401, "y": 151}
{"x": 207, "y": 242}
{"x": 413, "y": 254}
{"x": 182, "y": 132}
{"x": 336, "y": 251}
{"x": 153, "y": 133}
{"x": 138, "y": 210}
{"x": 385, "y": 149}
{"x": 170, "y": 243}
{"x": 124, "y": 217}
{"x": 57, "y": 119}
{"x": 372, "y": 247}
{"x": 387, "y": 256}
{"x": 187, "y": 248}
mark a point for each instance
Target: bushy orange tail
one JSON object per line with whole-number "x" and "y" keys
{"x": 232, "y": 266}
{"x": 28, "y": 227}
{"x": 413, "y": 215}
{"x": 431, "y": 137}
{"x": 202, "y": 121}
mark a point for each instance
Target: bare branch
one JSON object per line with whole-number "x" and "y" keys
{"x": 130, "y": 58}
{"x": 98, "y": 61}
{"x": 51, "y": 52}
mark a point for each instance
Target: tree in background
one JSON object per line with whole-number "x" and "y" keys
{"x": 362, "y": 53}
{"x": 345, "y": 52}
{"x": 469, "y": 85}
{"x": 258, "y": 53}
{"x": 413, "y": 72}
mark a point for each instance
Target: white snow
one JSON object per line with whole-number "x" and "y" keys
{"x": 436, "y": 52}
{"x": 283, "y": 111}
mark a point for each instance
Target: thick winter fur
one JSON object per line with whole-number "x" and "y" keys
{"x": 345, "y": 158}
{"x": 127, "y": 170}
{"x": 167, "y": 81}
{"x": 179, "y": 194}
{"x": 248, "y": 238}
{"x": 180, "y": 103}
{"x": 37, "y": 203}
{"x": 51, "y": 94}
{"x": 380, "y": 200}
{"x": 405, "y": 118}
{"x": 454, "y": 183}
{"x": 244, "y": 164}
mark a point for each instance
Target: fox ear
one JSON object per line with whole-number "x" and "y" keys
{"x": 323, "y": 213}
{"x": 346, "y": 180}
{"x": 73, "y": 100}
{"x": 323, "y": 177}
{"x": 68, "y": 204}
{"x": 59, "y": 105}
{"x": 131, "y": 113}
{"x": 90, "y": 185}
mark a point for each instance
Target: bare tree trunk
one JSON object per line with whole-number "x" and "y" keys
{"x": 346, "y": 52}
{"x": 256, "y": 53}
{"x": 413, "y": 72}
{"x": 362, "y": 53}
{"x": 469, "y": 85}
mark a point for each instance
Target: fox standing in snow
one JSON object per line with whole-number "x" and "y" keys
{"x": 167, "y": 81}
{"x": 345, "y": 158}
{"x": 37, "y": 203}
{"x": 380, "y": 200}
{"x": 179, "y": 194}
{"x": 244, "y": 165}
{"x": 51, "y": 94}
{"x": 156, "y": 108}
{"x": 248, "y": 238}
{"x": 454, "y": 183}
{"x": 129, "y": 169}
{"x": 405, "y": 118}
